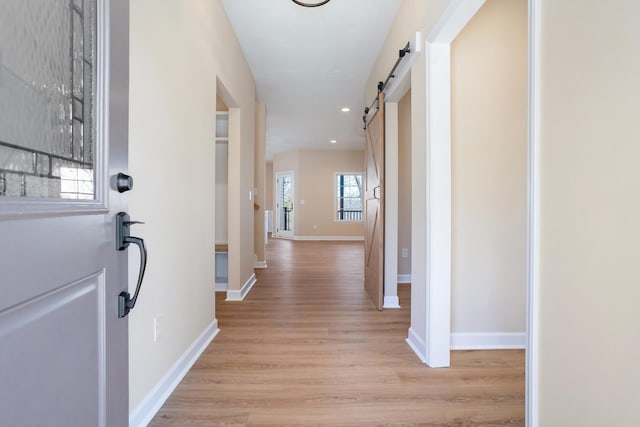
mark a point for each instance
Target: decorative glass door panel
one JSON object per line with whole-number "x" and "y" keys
{"x": 47, "y": 99}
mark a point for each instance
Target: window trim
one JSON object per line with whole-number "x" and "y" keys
{"x": 335, "y": 198}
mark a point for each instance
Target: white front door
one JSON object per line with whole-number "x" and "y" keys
{"x": 285, "y": 204}
{"x": 63, "y": 139}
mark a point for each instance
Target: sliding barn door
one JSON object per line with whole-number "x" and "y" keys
{"x": 374, "y": 204}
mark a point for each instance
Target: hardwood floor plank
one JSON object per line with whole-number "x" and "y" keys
{"x": 307, "y": 347}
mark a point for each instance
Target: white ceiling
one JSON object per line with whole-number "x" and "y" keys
{"x": 309, "y": 63}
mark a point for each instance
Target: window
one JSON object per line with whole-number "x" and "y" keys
{"x": 349, "y": 196}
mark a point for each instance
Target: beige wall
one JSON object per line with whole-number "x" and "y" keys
{"x": 177, "y": 51}
{"x": 220, "y": 105}
{"x": 412, "y": 16}
{"x": 259, "y": 179}
{"x": 590, "y": 145}
{"x": 489, "y": 170}
{"x": 314, "y": 184}
{"x": 268, "y": 181}
{"x": 284, "y": 162}
{"x": 404, "y": 183}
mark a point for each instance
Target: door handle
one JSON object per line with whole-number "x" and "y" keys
{"x": 123, "y": 239}
{"x": 374, "y": 192}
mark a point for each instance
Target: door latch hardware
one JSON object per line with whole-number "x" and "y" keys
{"x": 124, "y": 182}
{"x": 123, "y": 239}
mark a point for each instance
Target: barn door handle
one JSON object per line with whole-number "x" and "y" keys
{"x": 123, "y": 239}
{"x": 376, "y": 196}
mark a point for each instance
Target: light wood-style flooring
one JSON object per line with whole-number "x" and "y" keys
{"x": 307, "y": 347}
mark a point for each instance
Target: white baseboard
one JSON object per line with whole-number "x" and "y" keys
{"x": 331, "y": 238}
{"x": 277, "y": 236}
{"x": 404, "y": 279}
{"x": 417, "y": 345}
{"x": 235, "y": 295}
{"x": 221, "y": 287}
{"x": 260, "y": 264}
{"x": 488, "y": 341}
{"x": 391, "y": 302}
{"x": 153, "y": 401}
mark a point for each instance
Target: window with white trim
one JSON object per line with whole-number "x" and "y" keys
{"x": 349, "y": 196}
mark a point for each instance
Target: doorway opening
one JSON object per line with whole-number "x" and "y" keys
{"x": 222, "y": 196}
{"x": 285, "y": 201}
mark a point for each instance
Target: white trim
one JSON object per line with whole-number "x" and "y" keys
{"x": 238, "y": 295}
{"x": 453, "y": 20}
{"x": 153, "y": 401}
{"x": 438, "y": 203}
{"x": 221, "y": 287}
{"x": 390, "y": 258}
{"x": 437, "y": 235}
{"x": 275, "y": 236}
{"x": 417, "y": 345}
{"x": 391, "y": 302}
{"x": 260, "y": 265}
{"x": 487, "y": 341}
{"x": 404, "y": 279}
{"x": 533, "y": 220}
{"x": 330, "y": 238}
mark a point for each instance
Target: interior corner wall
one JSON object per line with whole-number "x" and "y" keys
{"x": 404, "y": 183}
{"x": 176, "y": 53}
{"x": 314, "y": 190}
{"x": 489, "y": 170}
{"x": 259, "y": 181}
{"x": 268, "y": 180}
{"x": 589, "y": 291}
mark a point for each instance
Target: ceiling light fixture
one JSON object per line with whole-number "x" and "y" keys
{"x": 310, "y": 4}
{"x": 346, "y": 109}
{"x": 333, "y": 141}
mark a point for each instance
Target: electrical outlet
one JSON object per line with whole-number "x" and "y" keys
{"x": 158, "y": 327}
{"x": 405, "y": 253}
{"x": 315, "y": 226}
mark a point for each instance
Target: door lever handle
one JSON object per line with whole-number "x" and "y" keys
{"x": 123, "y": 239}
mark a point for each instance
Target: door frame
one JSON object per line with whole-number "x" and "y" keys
{"x": 290, "y": 233}
{"x": 394, "y": 92}
{"x": 430, "y": 331}
{"x": 533, "y": 215}
{"x": 435, "y": 349}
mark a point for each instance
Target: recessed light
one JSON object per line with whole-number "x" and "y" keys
{"x": 346, "y": 109}
{"x": 333, "y": 141}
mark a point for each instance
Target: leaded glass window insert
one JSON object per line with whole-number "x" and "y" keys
{"x": 47, "y": 99}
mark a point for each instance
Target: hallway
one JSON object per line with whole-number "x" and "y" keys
{"x": 306, "y": 347}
